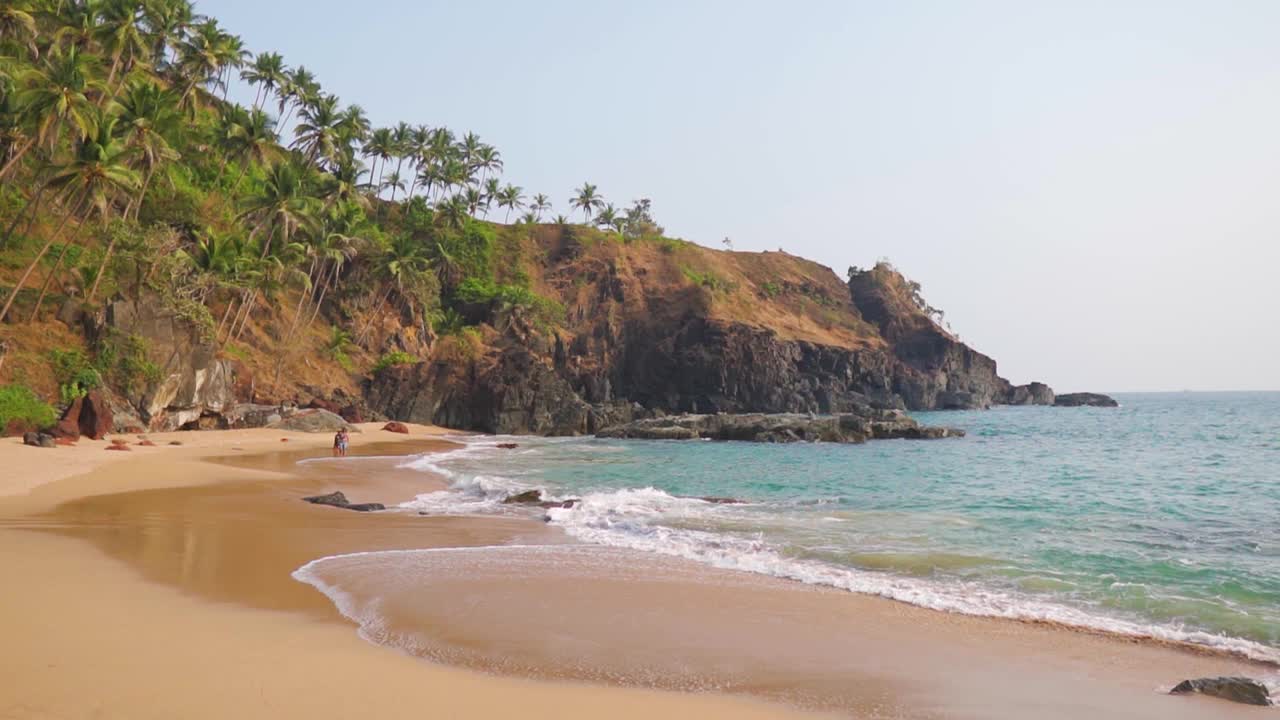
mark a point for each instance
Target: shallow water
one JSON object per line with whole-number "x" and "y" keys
{"x": 1159, "y": 518}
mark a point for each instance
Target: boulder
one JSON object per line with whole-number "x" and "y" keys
{"x": 528, "y": 497}
{"x": 313, "y": 421}
{"x": 1035, "y": 393}
{"x": 339, "y": 500}
{"x": 508, "y": 446}
{"x": 39, "y": 439}
{"x": 352, "y": 414}
{"x": 396, "y": 427}
{"x": 1236, "y": 689}
{"x": 250, "y": 415}
{"x": 90, "y": 416}
{"x": 119, "y": 448}
{"x": 1085, "y": 400}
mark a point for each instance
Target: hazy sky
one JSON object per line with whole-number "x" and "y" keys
{"x": 1090, "y": 190}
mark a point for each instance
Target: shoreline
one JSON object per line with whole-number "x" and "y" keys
{"x": 231, "y": 480}
{"x": 92, "y": 635}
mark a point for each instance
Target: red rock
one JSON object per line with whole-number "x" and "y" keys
{"x": 89, "y": 416}
{"x": 124, "y": 448}
{"x": 146, "y": 443}
{"x": 119, "y": 441}
{"x": 352, "y": 414}
{"x": 396, "y": 427}
{"x": 284, "y": 439}
{"x": 17, "y": 428}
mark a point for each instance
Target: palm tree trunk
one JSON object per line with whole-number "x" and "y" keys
{"x": 102, "y": 268}
{"x": 137, "y": 204}
{"x": 26, "y": 275}
{"x": 33, "y": 205}
{"x": 226, "y": 314}
{"x": 44, "y": 289}
{"x": 377, "y": 309}
{"x": 248, "y": 311}
{"x": 13, "y": 161}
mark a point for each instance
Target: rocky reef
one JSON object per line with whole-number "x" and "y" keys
{"x": 1085, "y": 400}
{"x": 869, "y": 424}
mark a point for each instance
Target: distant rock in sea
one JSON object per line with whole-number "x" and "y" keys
{"x": 871, "y": 424}
{"x": 1085, "y": 400}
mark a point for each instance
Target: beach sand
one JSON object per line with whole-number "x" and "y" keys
{"x": 157, "y": 584}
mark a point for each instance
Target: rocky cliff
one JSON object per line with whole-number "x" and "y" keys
{"x": 650, "y": 329}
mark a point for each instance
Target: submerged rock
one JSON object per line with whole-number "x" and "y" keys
{"x": 339, "y": 500}
{"x": 528, "y": 497}
{"x": 1085, "y": 400}
{"x": 1236, "y": 689}
{"x": 869, "y": 424}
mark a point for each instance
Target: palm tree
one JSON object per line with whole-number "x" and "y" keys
{"x": 98, "y": 174}
{"x": 474, "y": 198}
{"x": 120, "y": 34}
{"x": 452, "y": 212}
{"x": 317, "y": 129}
{"x": 18, "y": 26}
{"x": 492, "y": 189}
{"x": 55, "y": 96}
{"x": 282, "y": 207}
{"x": 380, "y": 146}
{"x": 300, "y": 88}
{"x": 268, "y": 73}
{"x": 167, "y": 22}
{"x": 512, "y": 198}
{"x": 541, "y": 203}
{"x": 394, "y": 182}
{"x": 402, "y": 139}
{"x": 488, "y": 159}
{"x": 342, "y": 184}
{"x": 608, "y": 216}
{"x": 587, "y": 200}
{"x": 148, "y": 119}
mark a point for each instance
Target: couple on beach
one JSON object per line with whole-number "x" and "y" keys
{"x": 340, "y": 442}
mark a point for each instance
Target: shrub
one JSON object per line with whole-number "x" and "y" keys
{"x": 122, "y": 361}
{"x": 395, "y": 357}
{"x": 76, "y": 376}
{"x": 19, "y": 406}
{"x": 338, "y": 345}
{"x": 771, "y": 289}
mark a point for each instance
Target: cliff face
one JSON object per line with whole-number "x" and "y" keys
{"x": 665, "y": 328}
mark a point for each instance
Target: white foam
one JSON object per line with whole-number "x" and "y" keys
{"x": 625, "y": 519}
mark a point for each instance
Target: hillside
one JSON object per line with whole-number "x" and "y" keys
{"x": 186, "y": 258}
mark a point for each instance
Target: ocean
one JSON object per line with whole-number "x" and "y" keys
{"x": 1157, "y": 519}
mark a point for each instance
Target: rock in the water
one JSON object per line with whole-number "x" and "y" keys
{"x": 396, "y": 427}
{"x": 1236, "y": 689}
{"x": 869, "y": 424}
{"x": 1036, "y": 393}
{"x": 339, "y": 500}
{"x": 528, "y": 497}
{"x": 1085, "y": 400}
{"x": 508, "y": 446}
{"x": 313, "y": 421}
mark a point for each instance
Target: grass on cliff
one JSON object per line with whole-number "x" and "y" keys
{"x": 20, "y": 408}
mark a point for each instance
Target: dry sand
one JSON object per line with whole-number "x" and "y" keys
{"x": 158, "y": 585}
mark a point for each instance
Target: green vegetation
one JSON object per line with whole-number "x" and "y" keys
{"x": 125, "y": 167}
{"x": 393, "y": 358}
{"x": 18, "y": 405}
{"x": 75, "y": 374}
{"x": 707, "y": 279}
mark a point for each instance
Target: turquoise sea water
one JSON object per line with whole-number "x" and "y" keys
{"x": 1158, "y": 518}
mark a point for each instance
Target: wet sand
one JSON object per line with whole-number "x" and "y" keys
{"x": 157, "y": 586}
{"x": 219, "y": 534}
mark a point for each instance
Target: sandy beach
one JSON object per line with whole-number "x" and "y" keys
{"x": 157, "y": 583}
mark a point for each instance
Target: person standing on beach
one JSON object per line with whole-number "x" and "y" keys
{"x": 344, "y": 439}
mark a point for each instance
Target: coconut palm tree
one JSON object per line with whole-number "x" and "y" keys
{"x": 317, "y": 130}
{"x": 282, "y": 207}
{"x": 300, "y": 88}
{"x": 56, "y": 95}
{"x": 99, "y": 174}
{"x": 488, "y": 160}
{"x": 18, "y": 26}
{"x": 512, "y": 198}
{"x": 167, "y": 23}
{"x": 540, "y": 204}
{"x": 587, "y": 200}
{"x": 608, "y": 216}
{"x": 120, "y": 34}
{"x": 267, "y": 73}
{"x": 148, "y": 118}
{"x": 453, "y": 212}
{"x": 380, "y": 146}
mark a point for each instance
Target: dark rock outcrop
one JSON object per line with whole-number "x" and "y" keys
{"x": 535, "y": 498}
{"x": 1085, "y": 400}
{"x": 1236, "y": 689}
{"x": 339, "y": 500}
{"x": 1036, "y": 393}
{"x": 39, "y": 439}
{"x": 786, "y": 427}
{"x": 89, "y": 416}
